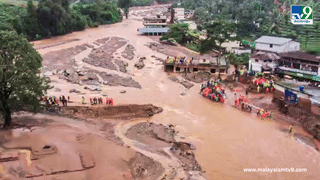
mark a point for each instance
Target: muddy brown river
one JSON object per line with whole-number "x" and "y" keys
{"x": 227, "y": 139}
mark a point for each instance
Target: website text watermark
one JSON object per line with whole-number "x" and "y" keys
{"x": 271, "y": 170}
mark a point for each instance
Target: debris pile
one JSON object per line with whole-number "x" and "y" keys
{"x": 140, "y": 63}
{"x": 128, "y": 52}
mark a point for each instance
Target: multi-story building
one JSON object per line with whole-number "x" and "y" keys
{"x": 300, "y": 64}
{"x": 154, "y": 26}
{"x": 267, "y": 52}
{"x": 204, "y": 63}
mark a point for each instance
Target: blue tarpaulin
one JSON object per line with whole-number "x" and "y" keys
{"x": 292, "y": 97}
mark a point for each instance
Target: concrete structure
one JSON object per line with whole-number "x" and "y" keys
{"x": 276, "y": 44}
{"x": 192, "y": 24}
{"x": 154, "y": 26}
{"x": 201, "y": 65}
{"x": 239, "y": 51}
{"x": 259, "y": 60}
{"x": 178, "y": 13}
{"x": 300, "y": 64}
{"x": 188, "y": 14}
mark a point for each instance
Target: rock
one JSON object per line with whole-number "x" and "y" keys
{"x": 139, "y": 65}
{"x": 187, "y": 84}
{"x": 74, "y": 91}
{"x": 174, "y": 79}
{"x": 93, "y": 88}
{"x": 116, "y": 80}
{"x": 57, "y": 89}
{"x": 128, "y": 52}
{"x": 73, "y": 78}
{"x": 123, "y": 91}
{"x": 192, "y": 146}
{"x": 183, "y": 94}
{"x": 87, "y": 160}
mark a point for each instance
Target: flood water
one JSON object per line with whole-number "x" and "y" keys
{"x": 227, "y": 139}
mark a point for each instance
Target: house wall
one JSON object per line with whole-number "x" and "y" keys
{"x": 266, "y": 47}
{"x": 179, "y": 13}
{"x": 223, "y": 69}
{"x": 287, "y": 47}
{"x": 241, "y": 51}
{"x": 294, "y": 46}
{"x": 153, "y": 30}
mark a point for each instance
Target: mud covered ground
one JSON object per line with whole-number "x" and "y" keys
{"x": 107, "y": 112}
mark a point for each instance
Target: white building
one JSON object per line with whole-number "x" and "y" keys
{"x": 276, "y": 44}
{"x": 179, "y": 13}
{"x": 239, "y": 51}
{"x": 263, "y": 59}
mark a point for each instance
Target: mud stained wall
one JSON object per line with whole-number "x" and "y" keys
{"x": 277, "y": 94}
{"x": 315, "y": 109}
{"x": 304, "y": 104}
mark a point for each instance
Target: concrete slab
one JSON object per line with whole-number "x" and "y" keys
{"x": 87, "y": 159}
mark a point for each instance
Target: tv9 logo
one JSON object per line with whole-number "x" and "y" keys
{"x": 301, "y": 15}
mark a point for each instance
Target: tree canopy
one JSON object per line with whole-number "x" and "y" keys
{"x": 178, "y": 32}
{"x": 51, "y": 17}
{"x": 21, "y": 85}
{"x": 218, "y": 32}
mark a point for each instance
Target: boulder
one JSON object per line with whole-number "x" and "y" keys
{"x": 74, "y": 91}
{"x": 93, "y": 88}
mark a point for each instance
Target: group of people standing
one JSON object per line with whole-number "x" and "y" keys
{"x": 181, "y": 60}
{"x": 53, "y": 100}
{"x": 99, "y": 100}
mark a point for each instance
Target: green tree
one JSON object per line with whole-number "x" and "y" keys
{"x": 218, "y": 32}
{"x": 125, "y": 4}
{"x": 31, "y": 25}
{"x": 21, "y": 85}
{"x": 178, "y": 32}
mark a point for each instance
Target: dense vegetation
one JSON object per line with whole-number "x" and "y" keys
{"x": 56, "y": 17}
{"x": 259, "y": 17}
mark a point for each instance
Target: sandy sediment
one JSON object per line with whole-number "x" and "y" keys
{"x": 54, "y": 44}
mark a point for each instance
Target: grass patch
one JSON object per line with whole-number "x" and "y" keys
{"x": 193, "y": 47}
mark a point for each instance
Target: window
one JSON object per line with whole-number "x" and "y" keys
{"x": 270, "y": 60}
{"x": 213, "y": 70}
{"x": 256, "y": 60}
{"x": 314, "y": 68}
{"x": 195, "y": 69}
{"x": 271, "y": 45}
{"x": 178, "y": 69}
{"x": 265, "y": 61}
